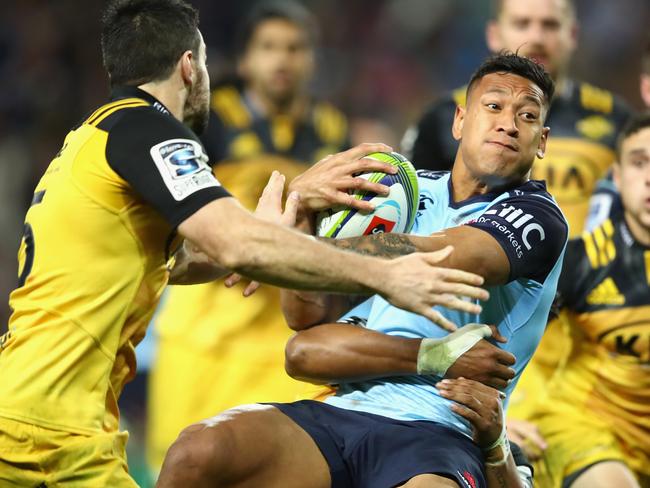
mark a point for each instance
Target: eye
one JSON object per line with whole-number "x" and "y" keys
{"x": 529, "y": 116}
{"x": 492, "y": 106}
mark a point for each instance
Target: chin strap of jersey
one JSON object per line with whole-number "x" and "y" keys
{"x": 437, "y": 355}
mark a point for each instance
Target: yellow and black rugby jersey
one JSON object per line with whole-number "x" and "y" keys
{"x": 237, "y": 130}
{"x": 584, "y": 122}
{"x": 92, "y": 261}
{"x": 604, "y": 292}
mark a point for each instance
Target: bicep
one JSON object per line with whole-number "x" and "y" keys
{"x": 474, "y": 250}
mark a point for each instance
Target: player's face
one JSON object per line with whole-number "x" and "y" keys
{"x": 278, "y": 62}
{"x": 501, "y": 129}
{"x": 632, "y": 176}
{"x": 197, "y": 105}
{"x": 544, "y": 30}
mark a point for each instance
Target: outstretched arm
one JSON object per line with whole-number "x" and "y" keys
{"x": 473, "y": 251}
{"x": 235, "y": 239}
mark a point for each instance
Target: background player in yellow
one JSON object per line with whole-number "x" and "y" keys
{"x": 584, "y": 121}
{"x": 596, "y": 419}
{"x": 216, "y": 348}
{"x": 129, "y": 183}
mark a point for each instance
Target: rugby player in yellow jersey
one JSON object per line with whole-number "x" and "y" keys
{"x": 596, "y": 419}
{"x": 129, "y": 183}
{"x": 209, "y": 334}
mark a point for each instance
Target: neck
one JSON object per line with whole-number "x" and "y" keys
{"x": 561, "y": 82}
{"x": 169, "y": 95}
{"x": 640, "y": 232}
{"x": 294, "y": 107}
{"x": 466, "y": 185}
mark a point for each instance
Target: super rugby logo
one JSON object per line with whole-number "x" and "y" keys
{"x": 183, "y": 166}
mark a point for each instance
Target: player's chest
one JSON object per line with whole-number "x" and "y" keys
{"x": 615, "y": 309}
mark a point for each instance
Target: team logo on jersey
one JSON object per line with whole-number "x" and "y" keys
{"x": 517, "y": 219}
{"x": 468, "y": 479}
{"x": 183, "y": 167}
{"x": 595, "y": 127}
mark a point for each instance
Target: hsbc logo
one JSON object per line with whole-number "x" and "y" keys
{"x": 519, "y": 219}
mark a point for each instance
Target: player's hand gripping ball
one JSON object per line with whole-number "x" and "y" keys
{"x": 393, "y": 213}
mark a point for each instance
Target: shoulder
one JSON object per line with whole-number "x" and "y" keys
{"x": 228, "y": 106}
{"x": 533, "y": 202}
{"x": 134, "y": 131}
{"x": 601, "y": 101}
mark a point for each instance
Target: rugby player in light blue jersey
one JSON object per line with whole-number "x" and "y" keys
{"x": 390, "y": 422}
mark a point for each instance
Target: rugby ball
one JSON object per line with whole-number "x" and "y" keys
{"x": 392, "y": 213}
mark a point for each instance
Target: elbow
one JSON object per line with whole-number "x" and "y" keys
{"x": 296, "y": 358}
{"x": 227, "y": 251}
{"x": 293, "y": 356}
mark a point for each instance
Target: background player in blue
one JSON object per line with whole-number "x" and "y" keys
{"x": 399, "y": 431}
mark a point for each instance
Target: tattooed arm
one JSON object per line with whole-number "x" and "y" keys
{"x": 474, "y": 250}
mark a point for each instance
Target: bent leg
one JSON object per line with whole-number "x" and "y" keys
{"x": 606, "y": 475}
{"x": 248, "y": 446}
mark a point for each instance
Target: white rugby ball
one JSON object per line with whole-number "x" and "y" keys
{"x": 393, "y": 213}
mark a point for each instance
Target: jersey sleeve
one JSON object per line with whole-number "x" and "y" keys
{"x": 531, "y": 230}
{"x": 164, "y": 162}
{"x": 430, "y": 144}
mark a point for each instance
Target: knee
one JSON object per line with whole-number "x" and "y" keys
{"x": 199, "y": 456}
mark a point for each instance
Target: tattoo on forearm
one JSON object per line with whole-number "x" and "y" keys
{"x": 382, "y": 245}
{"x": 503, "y": 483}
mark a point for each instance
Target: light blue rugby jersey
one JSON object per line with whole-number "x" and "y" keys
{"x": 530, "y": 227}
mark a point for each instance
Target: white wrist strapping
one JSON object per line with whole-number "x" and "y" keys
{"x": 502, "y": 442}
{"x": 437, "y": 355}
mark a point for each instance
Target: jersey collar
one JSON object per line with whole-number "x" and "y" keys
{"x": 120, "y": 92}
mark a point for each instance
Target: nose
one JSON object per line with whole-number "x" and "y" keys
{"x": 507, "y": 123}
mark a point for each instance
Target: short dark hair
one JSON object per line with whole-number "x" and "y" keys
{"x": 291, "y": 12}
{"x": 512, "y": 63}
{"x": 142, "y": 40}
{"x": 497, "y": 7}
{"x": 634, "y": 124}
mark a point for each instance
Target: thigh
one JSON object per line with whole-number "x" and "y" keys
{"x": 81, "y": 461}
{"x": 429, "y": 481}
{"x": 417, "y": 452}
{"x": 250, "y": 446}
{"x": 605, "y": 475}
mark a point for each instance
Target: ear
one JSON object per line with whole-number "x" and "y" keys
{"x": 541, "y": 148}
{"x": 187, "y": 67}
{"x": 492, "y": 37}
{"x": 616, "y": 174}
{"x": 459, "y": 122}
{"x": 645, "y": 89}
